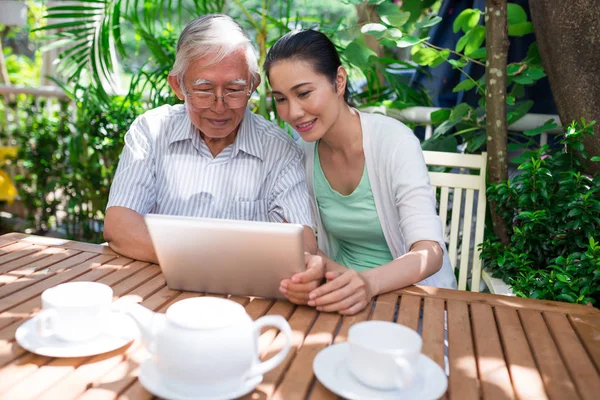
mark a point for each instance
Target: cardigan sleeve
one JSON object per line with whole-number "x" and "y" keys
{"x": 413, "y": 194}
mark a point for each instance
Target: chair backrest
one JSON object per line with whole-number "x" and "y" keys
{"x": 467, "y": 175}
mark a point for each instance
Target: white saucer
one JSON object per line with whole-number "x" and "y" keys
{"x": 120, "y": 331}
{"x": 330, "y": 368}
{"x": 150, "y": 378}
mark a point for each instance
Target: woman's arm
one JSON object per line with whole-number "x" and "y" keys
{"x": 348, "y": 291}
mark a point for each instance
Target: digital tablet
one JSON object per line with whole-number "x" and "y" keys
{"x": 226, "y": 256}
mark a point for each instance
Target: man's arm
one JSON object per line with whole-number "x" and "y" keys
{"x": 127, "y": 234}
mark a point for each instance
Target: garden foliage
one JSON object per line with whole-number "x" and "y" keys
{"x": 553, "y": 209}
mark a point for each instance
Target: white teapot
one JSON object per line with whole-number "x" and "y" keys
{"x": 206, "y": 343}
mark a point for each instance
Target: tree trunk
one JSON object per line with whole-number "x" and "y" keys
{"x": 496, "y": 38}
{"x": 568, "y": 37}
{"x": 367, "y": 13}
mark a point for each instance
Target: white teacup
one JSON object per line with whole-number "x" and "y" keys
{"x": 75, "y": 311}
{"x": 383, "y": 355}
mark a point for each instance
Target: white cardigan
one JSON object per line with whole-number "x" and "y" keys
{"x": 400, "y": 183}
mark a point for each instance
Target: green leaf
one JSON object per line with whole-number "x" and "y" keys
{"x": 425, "y": 56}
{"x": 595, "y": 158}
{"x": 439, "y": 116}
{"x": 414, "y": 7}
{"x": 358, "y": 54}
{"x": 393, "y": 34}
{"x": 562, "y": 278}
{"x": 460, "y": 63}
{"x": 548, "y": 125}
{"x": 408, "y": 41}
{"x": 376, "y": 30}
{"x": 479, "y": 54}
{"x": 476, "y": 38}
{"x": 466, "y": 20}
{"x": 575, "y": 212}
{"x": 461, "y": 43}
{"x": 392, "y": 15}
{"x": 443, "y": 56}
{"x": 516, "y": 14}
{"x": 428, "y": 22}
{"x": 516, "y": 113}
{"x": 566, "y": 297}
{"x": 460, "y": 111}
{"x": 465, "y": 85}
{"x": 521, "y": 29}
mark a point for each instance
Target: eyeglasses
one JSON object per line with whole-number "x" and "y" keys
{"x": 237, "y": 99}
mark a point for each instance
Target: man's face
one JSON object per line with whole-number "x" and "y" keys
{"x": 229, "y": 75}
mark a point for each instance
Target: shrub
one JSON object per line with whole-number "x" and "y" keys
{"x": 553, "y": 209}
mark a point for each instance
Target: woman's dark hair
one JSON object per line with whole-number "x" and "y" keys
{"x": 309, "y": 46}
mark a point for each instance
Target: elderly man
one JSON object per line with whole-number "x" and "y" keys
{"x": 211, "y": 156}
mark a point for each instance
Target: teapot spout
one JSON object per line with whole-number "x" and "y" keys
{"x": 150, "y": 323}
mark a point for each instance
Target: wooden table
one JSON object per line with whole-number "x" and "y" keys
{"x": 498, "y": 347}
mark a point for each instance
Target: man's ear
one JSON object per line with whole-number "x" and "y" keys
{"x": 341, "y": 80}
{"x": 256, "y": 82}
{"x": 174, "y": 83}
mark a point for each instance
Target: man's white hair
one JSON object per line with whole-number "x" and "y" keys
{"x": 216, "y": 34}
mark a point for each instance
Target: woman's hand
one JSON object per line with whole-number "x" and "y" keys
{"x": 346, "y": 292}
{"x": 297, "y": 288}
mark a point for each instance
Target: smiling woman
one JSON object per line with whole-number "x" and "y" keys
{"x": 374, "y": 208}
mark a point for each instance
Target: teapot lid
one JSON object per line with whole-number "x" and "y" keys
{"x": 205, "y": 313}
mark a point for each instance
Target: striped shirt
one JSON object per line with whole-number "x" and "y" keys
{"x": 166, "y": 168}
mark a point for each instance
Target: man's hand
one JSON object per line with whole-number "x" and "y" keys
{"x": 297, "y": 288}
{"x": 345, "y": 292}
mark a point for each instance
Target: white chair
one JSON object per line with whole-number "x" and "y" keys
{"x": 466, "y": 213}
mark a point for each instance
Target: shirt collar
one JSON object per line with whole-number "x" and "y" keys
{"x": 248, "y": 138}
{"x": 183, "y": 129}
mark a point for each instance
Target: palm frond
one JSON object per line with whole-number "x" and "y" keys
{"x": 90, "y": 44}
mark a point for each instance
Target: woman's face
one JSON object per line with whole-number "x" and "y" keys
{"x": 305, "y": 99}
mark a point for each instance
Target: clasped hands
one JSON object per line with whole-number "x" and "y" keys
{"x": 345, "y": 291}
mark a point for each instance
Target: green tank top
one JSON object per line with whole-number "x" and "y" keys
{"x": 352, "y": 221}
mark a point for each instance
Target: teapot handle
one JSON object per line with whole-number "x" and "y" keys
{"x": 280, "y": 323}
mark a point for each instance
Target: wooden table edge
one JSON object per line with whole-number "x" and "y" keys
{"x": 500, "y": 300}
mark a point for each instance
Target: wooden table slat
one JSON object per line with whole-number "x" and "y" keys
{"x": 37, "y": 289}
{"x": 16, "y": 251}
{"x": 41, "y": 270}
{"x": 385, "y": 307}
{"x": 299, "y": 378}
{"x": 433, "y": 330}
{"x": 557, "y": 381}
{"x": 33, "y": 255}
{"x": 527, "y": 381}
{"x": 19, "y": 370}
{"x": 350, "y": 320}
{"x": 588, "y": 329}
{"x": 496, "y": 300}
{"x": 493, "y": 372}
{"x": 582, "y": 369}
{"x": 463, "y": 380}
{"x": 301, "y": 321}
{"x": 410, "y": 311}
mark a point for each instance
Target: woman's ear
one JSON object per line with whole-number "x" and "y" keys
{"x": 341, "y": 80}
